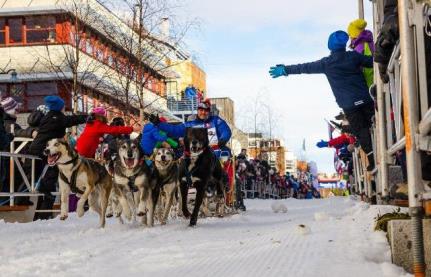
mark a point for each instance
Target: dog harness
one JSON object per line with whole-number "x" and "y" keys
{"x": 187, "y": 161}
{"x": 72, "y": 182}
{"x": 131, "y": 179}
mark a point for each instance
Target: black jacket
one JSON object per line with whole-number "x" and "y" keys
{"x": 52, "y": 126}
{"x": 343, "y": 70}
{"x": 18, "y": 130}
{"x": 5, "y": 137}
{"x": 387, "y": 38}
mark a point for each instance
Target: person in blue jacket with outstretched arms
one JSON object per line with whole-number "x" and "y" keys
{"x": 344, "y": 71}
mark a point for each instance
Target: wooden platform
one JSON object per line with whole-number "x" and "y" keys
{"x": 401, "y": 203}
{"x": 18, "y": 208}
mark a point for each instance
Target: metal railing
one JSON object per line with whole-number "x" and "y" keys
{"x": 16, "y": 161}
{"x": 187, "y": 105}
{"x": 404, "y": 114}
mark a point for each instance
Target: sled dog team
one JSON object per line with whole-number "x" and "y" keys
{"x": 136, "y": 189}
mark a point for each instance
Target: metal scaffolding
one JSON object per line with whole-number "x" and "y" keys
{"x": 403, "y": 117}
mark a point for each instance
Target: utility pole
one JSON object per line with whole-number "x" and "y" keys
{"x": 361, "y": 9}
{"x": 141, "y": 73}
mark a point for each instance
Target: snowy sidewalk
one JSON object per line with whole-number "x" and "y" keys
{"x": 256, "y": 243}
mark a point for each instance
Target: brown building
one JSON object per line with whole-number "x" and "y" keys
{"x": 226, "y": 109}
{"x": 271, "y": 150}
{"x": 40, "y": 40}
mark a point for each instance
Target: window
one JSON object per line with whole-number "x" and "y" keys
{"x": 37, "y": 91}
{"x": 15, "y": 29}
{"x": 100, "y": 52}
{"x": 89, "y": 46}
{"x": 3, "y": 91}
{"x": 2, "y": 31}
{"x": 17, "y": 91}
{"x": 40, "y": 29}
{"x": 41, "y": 89}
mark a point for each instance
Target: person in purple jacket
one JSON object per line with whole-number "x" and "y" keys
{"x": 361, "y": 40}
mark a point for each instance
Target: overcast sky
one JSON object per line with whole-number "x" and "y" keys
{"x": 240, "y": 39}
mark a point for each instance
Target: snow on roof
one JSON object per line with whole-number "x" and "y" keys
{"x": 37, "y": 10}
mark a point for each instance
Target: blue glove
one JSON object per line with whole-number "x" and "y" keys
{"x": 322, "y": 144}
{"x": 277, "y": 71}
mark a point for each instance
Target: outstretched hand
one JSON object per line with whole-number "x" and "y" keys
{"x": 322, "y": 144}
{"x": 154, "y": 118}
{"x": 277, "y": 71}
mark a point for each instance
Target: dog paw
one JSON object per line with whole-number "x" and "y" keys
{"x": 220, "y": 215}
{"x": 63, "y": 217}
{"x": 193, "y": 222}
{"x": 163, "y": 223}
{"x": 128, "y": 217}
{"x": 186, "y": 214}
{"x": 109, "y": 215}
{"x": 141, "y": 214}
{"x": 80, "y": 211}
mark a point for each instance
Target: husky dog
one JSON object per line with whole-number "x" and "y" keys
{"x": 131, "y": 174}
{"x": 167, "y": 180}
{"x": 200, "y": 169}
{"x": 79, "y": 175}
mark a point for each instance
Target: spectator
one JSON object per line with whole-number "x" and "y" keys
{"x": 111, "y": 140}
{"x": 96, "y": 127}
{"x": 52, "y": 125}
{"x": 5, "y": 139}
{"x": 387, "y": 38}
{"x": 242, "y": 155}
{"x": 152, "y": 138}
{"x": 362, "y": 42}
{"x": 36, "y": 116}
{"x": 344, "y": 72}
{"x": 10, "y": 107}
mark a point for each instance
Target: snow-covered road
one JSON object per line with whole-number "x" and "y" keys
{"x": 256, "y": 243}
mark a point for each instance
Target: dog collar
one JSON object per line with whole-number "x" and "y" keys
{"x": 71, "y": 161}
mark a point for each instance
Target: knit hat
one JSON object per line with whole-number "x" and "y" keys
{"x": 100, "y": 110}
{"x": 356, "y": 27}
{"x": 206, "y": 105}
{"x": 54, "y": 103}
{"x": 338, "y": 40}
{"x": 9, "y": 105}
{"x": 42, "y": 108}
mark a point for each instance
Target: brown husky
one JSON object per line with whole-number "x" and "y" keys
{"x": 79, "y": 175}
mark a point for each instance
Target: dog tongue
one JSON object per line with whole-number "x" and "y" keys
{"x": 130, "y": 162}
{"x": 52, "y": 158}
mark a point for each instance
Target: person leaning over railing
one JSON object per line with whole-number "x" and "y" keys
{"x": 343, "y": 70}
{"x": 96, "y": 127}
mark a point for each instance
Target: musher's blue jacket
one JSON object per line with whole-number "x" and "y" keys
{"x": 222, "y": 129}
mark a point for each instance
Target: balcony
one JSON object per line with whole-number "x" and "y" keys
{"x": 184, "y": 107}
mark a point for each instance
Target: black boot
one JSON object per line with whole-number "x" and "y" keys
{"x": 371, "y": 164}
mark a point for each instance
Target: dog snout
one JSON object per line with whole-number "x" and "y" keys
{"x": 129, "y": 153}
{"x": 194, "y": 142}
{"x": 46, "y": 152}
{"x": 163, "y": 158}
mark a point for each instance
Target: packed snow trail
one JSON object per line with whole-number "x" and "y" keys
{"x": 258, "y": 242}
